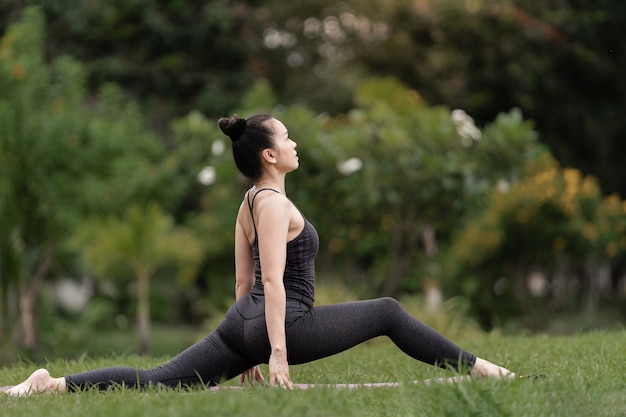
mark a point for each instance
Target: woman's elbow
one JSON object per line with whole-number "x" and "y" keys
{"x": 271, "y": 281}
{"x": 243, "y": 285}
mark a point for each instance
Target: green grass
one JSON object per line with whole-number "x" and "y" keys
{"x": 586, "y": 377}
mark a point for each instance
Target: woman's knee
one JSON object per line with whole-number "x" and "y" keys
{"x": 389, "y": 303}
{"x": 388, "y": 306}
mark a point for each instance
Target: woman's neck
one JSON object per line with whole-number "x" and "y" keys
{"x": 270, "y": 183}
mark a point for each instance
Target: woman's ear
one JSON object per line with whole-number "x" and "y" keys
{"x": 268, "y": 155}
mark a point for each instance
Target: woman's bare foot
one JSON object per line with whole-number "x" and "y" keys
{"x": 486, "y": 369}
{"x": 39, "y": 381}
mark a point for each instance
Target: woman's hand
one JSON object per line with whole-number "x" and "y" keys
{"x": 279, "y": 370}
{"x": 252, "y": 374}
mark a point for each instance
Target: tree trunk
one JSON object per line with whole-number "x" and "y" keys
{"x": 597, "y": 279}
{"x": 143, "y": 312}
{"x": 396, "y": 264}
{"x": 28, "y": 301}
{"x": 400, "y": 251}
{"x": 432, "y": 292}
{"x": 429, "y": 238}
{"x": 521, "y": 293}
{"x": 28, "y": 321}
{"x": 9, "y": 316}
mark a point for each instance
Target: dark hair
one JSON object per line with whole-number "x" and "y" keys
{"x": 249, "y": 137}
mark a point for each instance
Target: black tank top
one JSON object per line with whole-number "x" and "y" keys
{"x": 299, "y": 273}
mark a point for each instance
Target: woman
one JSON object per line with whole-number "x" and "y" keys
{"x": 273, "y": 320}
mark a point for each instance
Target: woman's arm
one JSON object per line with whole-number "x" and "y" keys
{"x": 273, "y": 214}
{"x": 244, "y": 280}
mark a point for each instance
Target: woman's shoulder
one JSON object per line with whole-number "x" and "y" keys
{"x": 271, "y": 201}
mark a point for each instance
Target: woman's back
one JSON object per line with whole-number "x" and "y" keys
{"x": 299, "y": 274}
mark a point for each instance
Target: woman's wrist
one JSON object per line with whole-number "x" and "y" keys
{"x": 278, "y": 350}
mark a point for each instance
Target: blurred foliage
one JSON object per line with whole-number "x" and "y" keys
{"x": 545, "y": 244}
{"x": 64, "y": 158}
{"x": 173, "y": 56}
{"x": 559, "y": 61}
{"x": 407, "y": 196}
{"x": 396, "y": 177}
{"x": 144, "y": 240}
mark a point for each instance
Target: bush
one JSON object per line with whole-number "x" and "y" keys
{"x": 546, "y": 244}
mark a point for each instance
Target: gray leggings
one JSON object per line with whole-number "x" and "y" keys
{"x": 241, "y": 342}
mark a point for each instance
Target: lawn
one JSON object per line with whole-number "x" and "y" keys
{"x": 586, "y": 376}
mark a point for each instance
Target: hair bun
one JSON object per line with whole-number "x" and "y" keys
{"x": 233, "y": 127}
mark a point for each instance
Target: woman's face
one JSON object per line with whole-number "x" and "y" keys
{"x": 284, "y": 148}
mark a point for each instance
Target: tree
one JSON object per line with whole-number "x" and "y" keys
{"x": 560, "y": 62}
{"x": 388, "y": 183}
{"x": 173, "y": 57}
{"x": 145, "y": 240}
{"x": 62, "y": 160}
{"x": 546, "y": 244}
{"x": 38, "y": 140}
